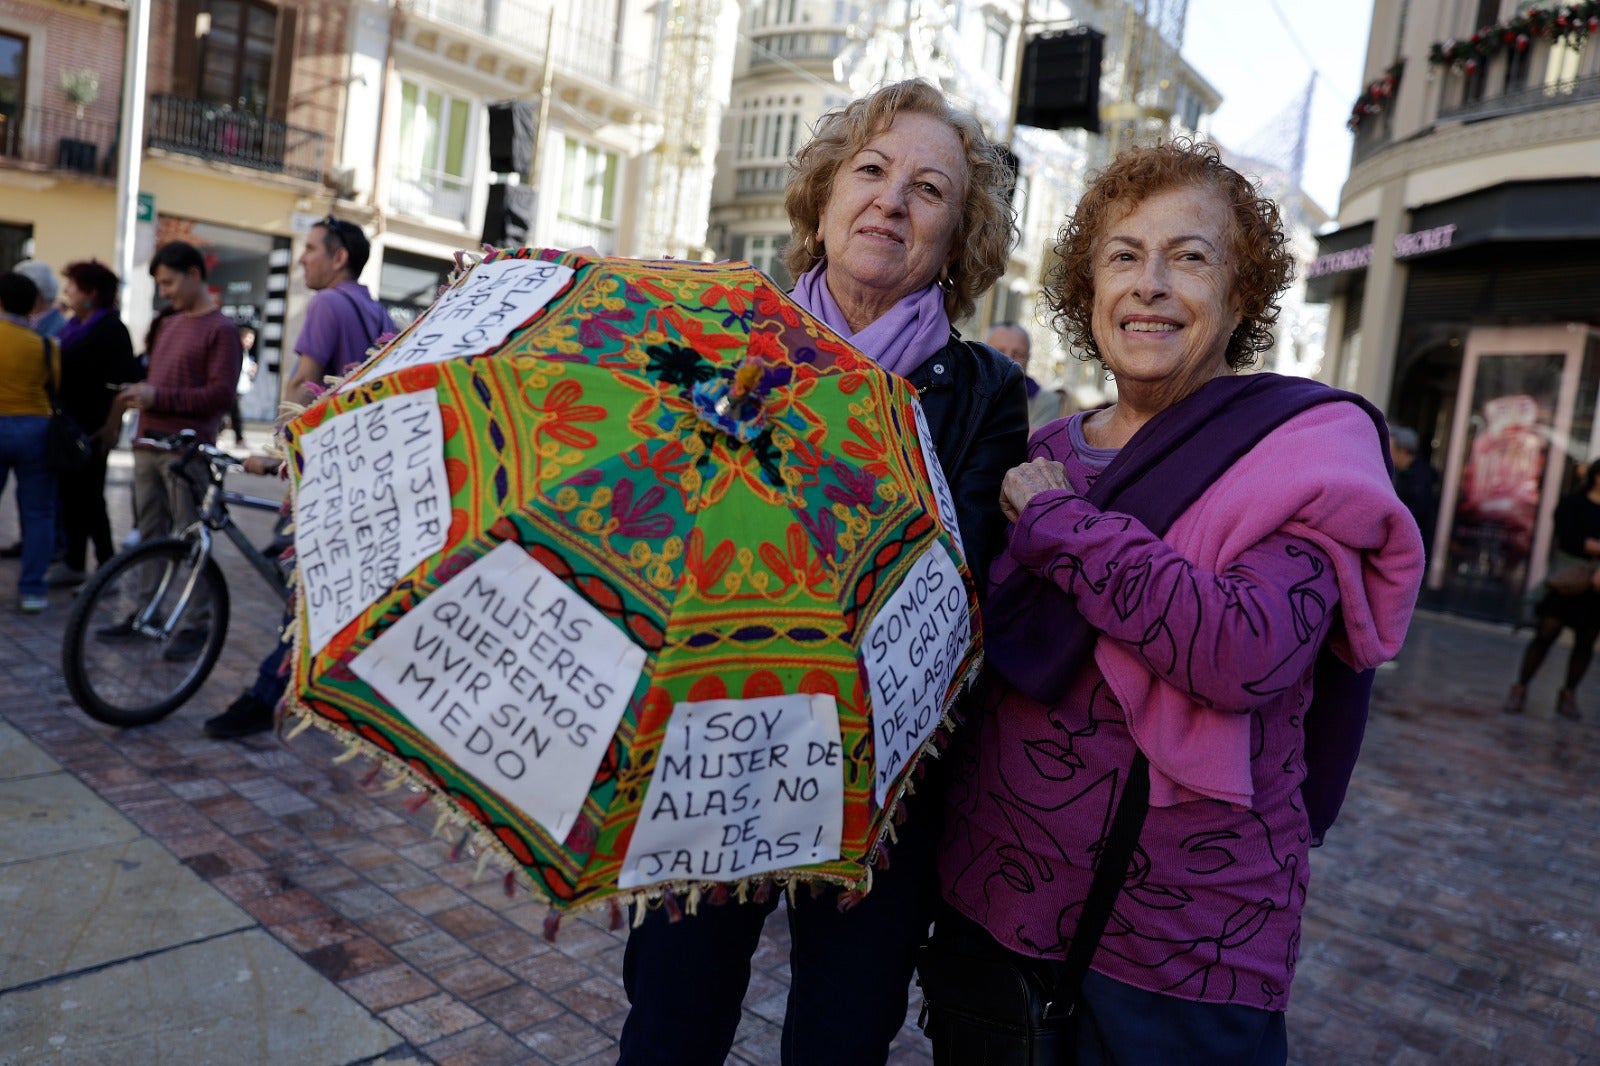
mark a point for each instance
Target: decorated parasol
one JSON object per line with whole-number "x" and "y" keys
{"x": 646, "y": 577}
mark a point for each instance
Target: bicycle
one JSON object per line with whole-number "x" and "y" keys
{"x": 147, "y": 627}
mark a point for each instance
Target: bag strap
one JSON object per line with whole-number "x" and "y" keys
{"x": 1109, "y": 874}
{"x": 49, "y": 389}
{"x": 367, "y": 328}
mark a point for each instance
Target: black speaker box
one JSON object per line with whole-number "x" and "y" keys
{"x": 1061, "y": 80}
{"x": 511, "y": 133}
{"x": 508, "y": 218}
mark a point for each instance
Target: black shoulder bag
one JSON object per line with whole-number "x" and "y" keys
{"x": 993, "y": 1008}
{"x": 68, "y": 448}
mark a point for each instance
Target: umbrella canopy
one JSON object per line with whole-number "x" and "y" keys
{"x": 642, "y": 571}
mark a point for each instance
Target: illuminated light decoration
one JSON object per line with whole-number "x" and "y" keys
{"x": 1571, "y": 23}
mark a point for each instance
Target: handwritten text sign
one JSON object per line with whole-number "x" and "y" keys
{"x": 912, "y": 650}
{"x": 475, "y": 315}
{"x": 373, "y": 502}
{"x": 941, "y": 488}
{"x": 741, "y": 787}
{"x": 515, "y": 676}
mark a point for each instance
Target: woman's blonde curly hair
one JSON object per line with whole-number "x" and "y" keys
{"x": 986, "y": 226}
{"x": 1258, "y": 250}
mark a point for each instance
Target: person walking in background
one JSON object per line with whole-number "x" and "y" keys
{"x": 46, "y": 318}
{"x": 96, "y": 358}
{"x": 1178, "y": 564}
{"x": 1571, "y": 597}
{"x": 194, "y": 368}
{"x": 900, "y": 220}
{"x": 247, "y": 378}
{"x": 1416, "y": 482}
{"x": 342, "y": 319}
{"x": 1012, "y": 341}
{"x": 28, "y": 362}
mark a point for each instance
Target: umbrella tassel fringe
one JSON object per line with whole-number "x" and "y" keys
{"x": 616, "y": 916}
{"x": 347, "y": 755}
{"x": 370, "y": 778}
{"x": 509, "y": 884}
{"x": 670, "y": 903}
{"x": 439, "y": 822}
{"x": 418, "y": 802}
{"x": 552, "y": 924}
{"x": 301, "y": 724}
{"x": 461, "y": 846}
{"x": 483, "y": 861}
{"x": 692, "y": 905}
{"x": 640, "y": 907}
{"x": 763, "y": 890}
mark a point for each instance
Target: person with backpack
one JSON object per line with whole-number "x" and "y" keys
{"x": 1198, "y": 581}
{"x": 342, "y": 319}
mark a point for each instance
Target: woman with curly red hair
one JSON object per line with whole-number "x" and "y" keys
{"x": 1132, "y": 802}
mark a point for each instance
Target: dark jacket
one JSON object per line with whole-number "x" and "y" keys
{"x": 103, "y": 356}
{"x": 977, "y": 409}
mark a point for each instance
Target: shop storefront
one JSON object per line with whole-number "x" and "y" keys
{"x": 1497, "y": 368}
{"x": 408, "y": 283}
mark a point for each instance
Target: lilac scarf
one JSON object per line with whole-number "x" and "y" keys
{"x": 76, "y": 328}
{"x": 900, "y": 340}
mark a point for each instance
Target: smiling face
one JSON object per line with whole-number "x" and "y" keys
{"x": 889, "y": 225}
{"x": 185, "y": 290}
{"x": 1164, "y": 301}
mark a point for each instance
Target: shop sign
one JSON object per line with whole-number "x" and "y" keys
{"x": 1358, "y": 258}
{"x": 1436, "y": 239}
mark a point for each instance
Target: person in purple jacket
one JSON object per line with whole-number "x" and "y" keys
{"x": 1200, "y": 624}
{"x": 342, "y": 319}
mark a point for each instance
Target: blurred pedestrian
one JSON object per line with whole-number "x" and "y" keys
{"x": 1012, "y": 341}
{"x": 1571, "y": 598}
{"x": 96, "y": 359}
{"x": 46, "y": 318}
{"x": 342, "y": 319}
{"x": 194, "y": 367}
{"x": 29, "y": 364}
{"x": 247, "y": 379}
{"x": 1416, "y": 482}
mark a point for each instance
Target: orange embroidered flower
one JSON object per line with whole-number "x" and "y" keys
{"x": 561, "y": 409}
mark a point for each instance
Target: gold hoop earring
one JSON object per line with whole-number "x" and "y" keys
{"x": 811, "y": 248}
{"x": 945, "y": 282}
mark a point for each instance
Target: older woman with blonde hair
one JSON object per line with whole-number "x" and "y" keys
{"x": 900, "y": 220}
{"x": 1198, "y": 582}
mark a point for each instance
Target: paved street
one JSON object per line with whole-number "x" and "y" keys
{"x": 165, "y": 898}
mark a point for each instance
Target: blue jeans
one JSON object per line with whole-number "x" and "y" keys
{"x": 22, "y": 448}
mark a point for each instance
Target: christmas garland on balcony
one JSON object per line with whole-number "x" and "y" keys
{"x": 1570, "y": 22}
{"x": 1376, "y": 96}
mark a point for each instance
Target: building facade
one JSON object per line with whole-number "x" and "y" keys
{"x": 798, "y": 59}
{"x": 1464, "y": 276}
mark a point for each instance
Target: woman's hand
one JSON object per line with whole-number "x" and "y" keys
{"x": 1023, "y": 483}
{"x": 262, "y": 464}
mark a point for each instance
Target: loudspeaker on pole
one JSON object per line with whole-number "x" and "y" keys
{"x": 511, "y": 133}
{"x": 508, "y": 216}
{"x": 1061, "y": 80}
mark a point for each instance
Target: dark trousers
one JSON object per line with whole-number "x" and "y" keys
{"x": 850, "y": 971}
{"x": 83, "y": 514}
{"x": 268, "y": 686}
{"x": 1120, "y": 1025}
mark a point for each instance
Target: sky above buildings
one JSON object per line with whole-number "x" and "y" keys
{"x": 1259, "y": 54}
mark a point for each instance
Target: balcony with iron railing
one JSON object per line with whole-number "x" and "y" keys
{"x": 524, "y": 27}
{"x": 46, "y": 138}
{"x": 1528, "y": 98}
{"x": 795, "y": 46}
{"x": 220, "y": 134}
{"x": 425, "y": 193}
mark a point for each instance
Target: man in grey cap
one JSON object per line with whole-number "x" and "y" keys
{"x": 47, "y": 318}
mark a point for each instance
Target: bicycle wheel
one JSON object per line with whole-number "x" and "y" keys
{"x": 144, "y": 633}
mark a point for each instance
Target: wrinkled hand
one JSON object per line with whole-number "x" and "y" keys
{"x": 1023, "y": 483}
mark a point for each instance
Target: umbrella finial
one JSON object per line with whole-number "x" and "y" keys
{"x": 736, "y": 404}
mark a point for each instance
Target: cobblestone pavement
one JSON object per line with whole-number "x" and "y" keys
{"x": 1452, "y": 915}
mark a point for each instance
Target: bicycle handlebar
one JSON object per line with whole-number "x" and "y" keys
{"x": 189, "y": 444}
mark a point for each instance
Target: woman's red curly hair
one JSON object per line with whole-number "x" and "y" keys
{"x": 1258, "y": 250}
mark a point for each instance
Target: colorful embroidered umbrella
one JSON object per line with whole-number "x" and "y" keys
{"x": 642, "y": 571}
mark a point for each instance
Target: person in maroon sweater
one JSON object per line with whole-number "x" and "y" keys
{"x": 194, "y": 368}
